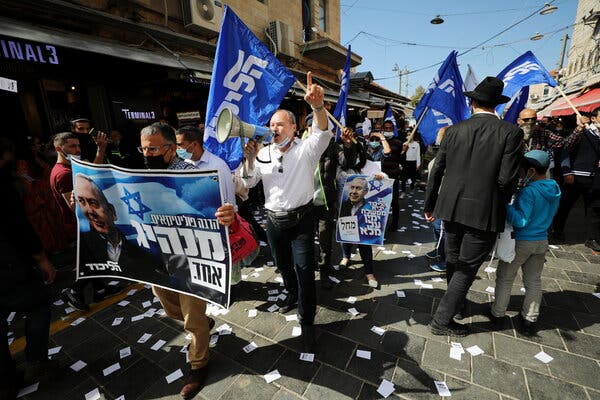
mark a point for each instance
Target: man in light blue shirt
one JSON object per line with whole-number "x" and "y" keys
{"x": 190, "y": 141}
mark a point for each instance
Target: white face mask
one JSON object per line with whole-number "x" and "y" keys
{"x": 283, "y": 143}
{"x": 70, "y": 157}
{"x": 388, "y": 134}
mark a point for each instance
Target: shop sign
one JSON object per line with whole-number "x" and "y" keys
{"x": 138, "y": 114}
{"x": 188, "y": 116}
{"x": 23, "y": 51}
{"x": 8, "y": 84}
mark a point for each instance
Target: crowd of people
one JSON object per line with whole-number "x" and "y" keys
{"x": 480, "y": 165}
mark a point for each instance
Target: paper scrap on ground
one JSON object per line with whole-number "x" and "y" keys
{"x": 456, "y": 351}
{"x": 252, "y": 313}
{"x": 282, "y": 296}
{"x": 160, "y": 343}
{"x": 173, "y": 376}
{"x": 427, "y": 286}
{"x": 475, "y": 350}
{"x": 58, "y": 303}
{"x": 442, "y": 389}
{"x": 351, "y": 300}
{"x": 123, "y": 303}
{"x": 595, "y": 294}
{"x": 113, "y": 283}
{"x": 274, "y": 291}
{"x": 309, "y": 357}
{"x": 296, "y": 331}
{"x": 353, "y": 311}
{"x": 224, "y": 329}
{"x": 109, "y": 370}
{"x": 272, "y": 376}
{"x": 273, "y": 308}
{"x": 523, "y": 289}
{"x": 363, "y": 354}
{"x": 131, "y": 292}
{"x": 144, "y": 338}
{"x": 270, "y": 263}
{"x": 54, "y": 350}
{"x": 93, "y": 395}
{"x": 77, "y": 321}
{"x": 272, "y": 298}
{"x": 386, "y": 388}
{"x": 400, "y": 293}
{"x": 121, "y": 397}
{"x": 213, "y": 340}
{"x": 334, "y": 279}
{"x": 137, "y": 317}
{"x": 543, "y": 357}
{"x": 437, "y": 279}
{"x": 490, "y": 270}
{"x": 146, "y": 304}
{"x": 259, "y": 269}
{"x": 125, "y": 352}
{"x": 388, "y": 252}
{"x": 418, "y": 282}
{"x": 289, "y": 318}
{"x": 554, "y": 247}
{"x": 69, "y": 310}
{"x": 278, "y": 279}
{"x": 30, "y": 389}
{"x": 490, "y": 289}
{"x": 250, "y": 347}
{"x": 378, "y": 330}
{"x": 78, "y": 366}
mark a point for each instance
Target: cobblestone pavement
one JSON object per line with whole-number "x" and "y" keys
{"x": 406, "y": 354}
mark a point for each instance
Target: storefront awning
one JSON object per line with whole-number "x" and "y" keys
{"x": 585, "y": 102}
{"x": 559, "y": 102}
{"x": 76, "y": 41}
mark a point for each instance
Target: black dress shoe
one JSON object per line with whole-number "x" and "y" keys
{"x": 452, "y": 329}
{"x": 194, "y": 382}
{"x": 308, "y": 338}
{"x": 592, "y": 244}
{"x": 493, "y": 319}
{"x": 528, "y": 327}
{"x": 290, "y": 304}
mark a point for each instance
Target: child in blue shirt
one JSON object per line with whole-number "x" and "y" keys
{"x": 530, "y": 214}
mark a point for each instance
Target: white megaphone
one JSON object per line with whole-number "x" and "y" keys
{"x": 230, "y": 125}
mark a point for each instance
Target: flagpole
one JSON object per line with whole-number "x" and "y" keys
{"x": 568, "y": 101}
{"x": 410, "y": 137}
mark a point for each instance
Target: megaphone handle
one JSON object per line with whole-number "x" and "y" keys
{"x": 244, "y": 165}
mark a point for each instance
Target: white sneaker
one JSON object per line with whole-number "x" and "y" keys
{"x": 373, "y": 283}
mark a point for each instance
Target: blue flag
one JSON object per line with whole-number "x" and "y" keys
{"x": 389, "y": 116}
{"x": 341, "y": 108}
{"x": 516, "y": 105}
{"x": 247, "y": 79}
{"x": 444, "y": 102}
{"x": 524, "y": 71}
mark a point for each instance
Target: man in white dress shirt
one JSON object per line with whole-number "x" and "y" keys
{"x": 286, "y": 169}
{"x": 190, "y": 147}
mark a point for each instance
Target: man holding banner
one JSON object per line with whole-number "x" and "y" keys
{"x": 286, "y": 169}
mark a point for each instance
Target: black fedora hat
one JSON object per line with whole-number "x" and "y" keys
{"x": 489, "y": 91}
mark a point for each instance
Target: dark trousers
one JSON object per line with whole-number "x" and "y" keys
{"x": 466, "y": 249}
{"x": 324, "y": 224}
{"x": 409, "y": 171}
{"x": 366, "y": 254}
{"x": 395, "y": 206}
{"x": 570, "y": 194}
{"x": 294, "y": 253}
{"x": 33, "y": 299}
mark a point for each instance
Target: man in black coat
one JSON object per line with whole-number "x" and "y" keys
{"x": 478, "y": 160}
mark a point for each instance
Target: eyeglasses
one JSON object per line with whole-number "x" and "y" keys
{"x": 280, "y": 167}
{"x": 151, "y": 149}
{"x": 528, "y": 119}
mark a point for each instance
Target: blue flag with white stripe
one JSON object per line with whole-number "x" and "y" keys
{"x": 389, "y": 116}
{"x": 341, "y": 108}
{"x": 516, "y": 105}
{"x": 444, "y": 102}
{"x": 247, "y": 79}
{"x": 524, "y": 71}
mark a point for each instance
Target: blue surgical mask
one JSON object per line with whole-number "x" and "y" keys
{"x": 284, "y": 143}
{"x": 374, "y": 145}
{"x": 183, "y": 153}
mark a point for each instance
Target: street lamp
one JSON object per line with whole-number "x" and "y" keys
{"x": 548, "y": 9}
{"x": 437, "y": 20}
{"x": 537, "y": 36}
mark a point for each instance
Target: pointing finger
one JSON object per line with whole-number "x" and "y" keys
{"x": 308, "y": 79}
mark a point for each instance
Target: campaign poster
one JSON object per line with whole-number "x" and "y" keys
{"x": 364, "y": 208}
{"x": 154, "y": 227}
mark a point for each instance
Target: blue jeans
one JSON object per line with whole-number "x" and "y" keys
{"x": 294, "y": 253}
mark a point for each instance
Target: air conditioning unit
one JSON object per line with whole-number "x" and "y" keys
{"x": 202, "y": 16}
{"x": 280, "y": 38}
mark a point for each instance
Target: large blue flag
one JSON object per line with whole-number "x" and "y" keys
{"x": 389, "y": 116}
{"x": 444, "y": 102}
{"x": 516, "y": 105}
{"x": 341, "y": 108}
{"x": 524, "y": 71}
{"x": 248, "y": 79}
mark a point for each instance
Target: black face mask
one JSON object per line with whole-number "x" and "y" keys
{"x": 155, "y": 162}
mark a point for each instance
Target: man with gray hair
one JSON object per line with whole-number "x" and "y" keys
{"x": 159, "y": 145}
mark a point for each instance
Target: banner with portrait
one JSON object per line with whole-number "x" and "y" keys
{"x": 154, "y": 227}
{"x": 364, "y": 208}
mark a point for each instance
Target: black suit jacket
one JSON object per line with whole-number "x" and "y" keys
{"x": 479, "y": 162}
{"x": 135, "y": 263}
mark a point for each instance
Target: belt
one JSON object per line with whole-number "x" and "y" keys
{"x": 293, "y": 211}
